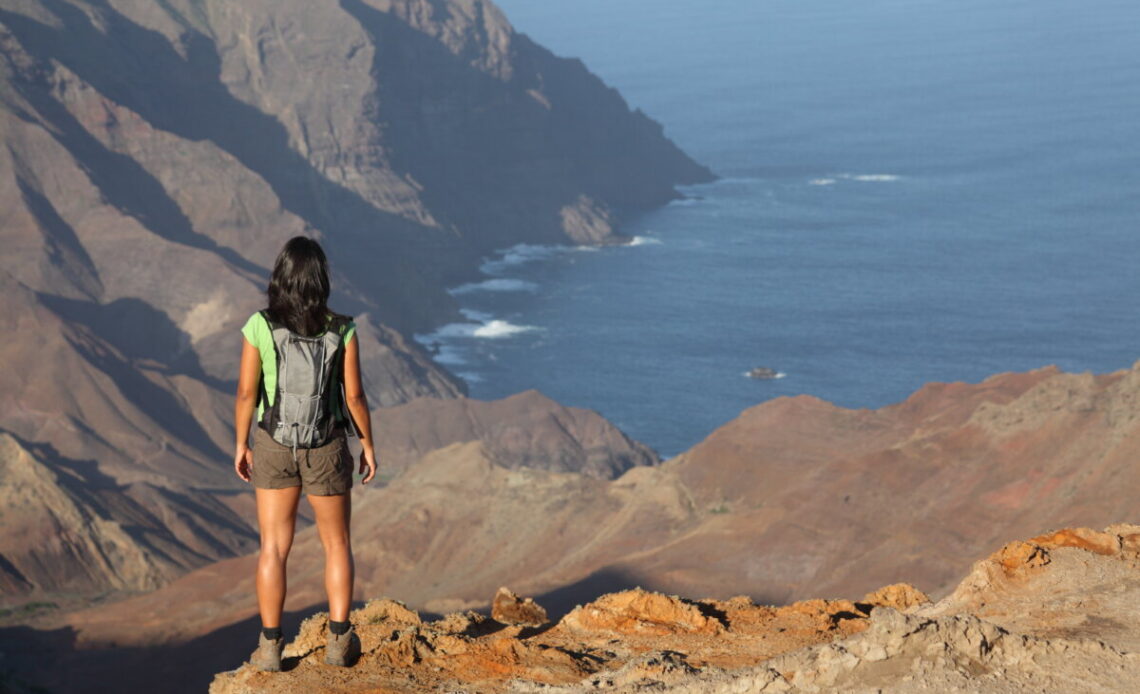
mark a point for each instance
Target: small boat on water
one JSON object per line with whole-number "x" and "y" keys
{"x": 763, "y": 373}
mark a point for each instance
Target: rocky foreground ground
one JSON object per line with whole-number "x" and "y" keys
{"x": 1057, "y": 613}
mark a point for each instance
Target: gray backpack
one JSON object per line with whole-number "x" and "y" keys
{"x": 308, "y": 405}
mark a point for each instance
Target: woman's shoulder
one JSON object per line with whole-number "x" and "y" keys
{"x": 257, "y": 317}
{"x": 256, "y": 326}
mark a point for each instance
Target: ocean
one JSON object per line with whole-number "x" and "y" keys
{"x": 910, "y": 191}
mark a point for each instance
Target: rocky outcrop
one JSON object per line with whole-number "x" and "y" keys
{"x": 613, "y": 648}
{"x": 508, "y": 608}
{"x": 1004, "y": 630}
{"x": 638, "y": 612}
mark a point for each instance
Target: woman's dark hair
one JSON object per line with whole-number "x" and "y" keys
{"x": 299, "y": 287}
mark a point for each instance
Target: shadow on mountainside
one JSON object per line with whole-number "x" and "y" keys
{"x": 140, "y": 332}
{"x": 125, "y": 184}
{"x": 180, "y": 529}
{"x": 183, "y": 96}
{"x": 55, "y": 660}
{"x": 560, "y": 601}
{"x": 158, "y": 403}
{"x": 65, "y": 247}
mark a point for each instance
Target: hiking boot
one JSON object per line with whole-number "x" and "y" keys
{"x": 342, "y": 649}
{"x": 267, "y": 657}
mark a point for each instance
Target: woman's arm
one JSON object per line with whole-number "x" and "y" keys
{"x": 357, "y": 403}
{"x": 249, "y": 375}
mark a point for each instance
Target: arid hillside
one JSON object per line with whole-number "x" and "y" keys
{"x": 156, "y": 154}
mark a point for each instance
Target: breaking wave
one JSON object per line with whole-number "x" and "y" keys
{"x": 520, "y": 254}
{"x": 832, "y": 179}
{"x": 644, "y": 241}
{"x": 478, "y": 325}
{"x": 871, "y": 178}
{"x": 496, "y": 284}
{"x": 501, "y": 328}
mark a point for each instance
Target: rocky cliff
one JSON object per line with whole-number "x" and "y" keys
{"x": 1054, "y": 613}
{"x": 158, "y": 152}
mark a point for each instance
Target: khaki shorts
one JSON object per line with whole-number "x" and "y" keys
{"x": 324, "y": 471}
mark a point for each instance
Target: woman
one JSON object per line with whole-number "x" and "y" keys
{"x": 298, "y": 310}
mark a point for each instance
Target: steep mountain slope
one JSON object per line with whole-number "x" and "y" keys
{"x": 157, "y": 153}
{"x": 66, "y": 529}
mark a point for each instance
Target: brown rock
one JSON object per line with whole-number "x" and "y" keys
{"x": 1018, "y": 557}
{"x": 642, "y": 612}
{"x": 1130, "y": 544}
{"x": 509, "y": 608}
{"x": 465, "y": 623}
{"x": 1082, "y": 538}
{"x": 386, "y": 612}
{"x": 900, "y": 596}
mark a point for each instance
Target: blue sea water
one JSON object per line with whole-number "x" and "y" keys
{"x": 910, "y": 191}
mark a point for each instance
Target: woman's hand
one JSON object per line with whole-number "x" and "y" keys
{"x": 243, "y": 462}
{"x": 367, "y": 462}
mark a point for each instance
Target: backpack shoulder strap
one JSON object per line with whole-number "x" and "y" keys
{"x": 267, "y": 409}
{"x": 339, "y": 323}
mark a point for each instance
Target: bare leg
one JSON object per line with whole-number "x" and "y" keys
{"x": 276, "y": 517}
{"x": 333, "y": 514}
